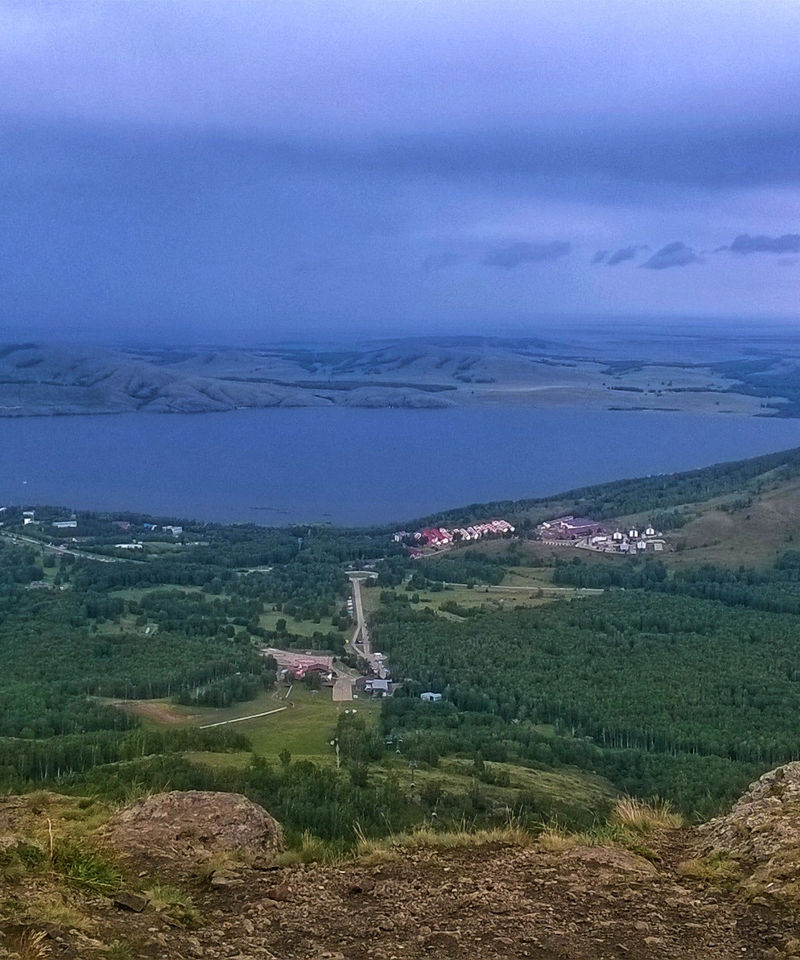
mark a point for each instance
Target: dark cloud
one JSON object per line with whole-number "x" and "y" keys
{"x": 675, "y": 254}
{"x": 519, "y": 253}
{"x": 788, "y": 243}
{"x": 600, "y": 256}
{"x": 624, "y": 253}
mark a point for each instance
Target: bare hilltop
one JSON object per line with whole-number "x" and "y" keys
{"x": 193, "y": 875}
{"x": 50, "y": 379}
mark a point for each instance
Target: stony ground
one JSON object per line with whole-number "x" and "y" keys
{"x": 585, "y": 903}
{"x": 552, "y": 900}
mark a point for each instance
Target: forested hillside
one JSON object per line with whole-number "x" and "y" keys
{"x": 644, "y": 494}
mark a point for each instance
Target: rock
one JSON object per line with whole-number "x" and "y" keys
{"x": 442, "y": 940}
{"x": 361, "y": 886}
{"x": 611, "y": 861}
{"x": 128, "y": 900}
{"x": 279, "y": 892}
{"x": 761, "y": 833}
{"x": 188, "y": 828}
{"x": 225, "y": 878}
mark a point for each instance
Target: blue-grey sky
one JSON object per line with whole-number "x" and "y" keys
{"x": 212, "y": 168}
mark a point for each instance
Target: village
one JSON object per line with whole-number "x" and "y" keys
{"x": 587, "y": 534}
{"x": 438, "y": 537}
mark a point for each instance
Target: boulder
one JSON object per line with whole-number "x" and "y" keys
{"x": 190, "y": 828}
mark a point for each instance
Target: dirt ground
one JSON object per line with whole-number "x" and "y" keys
{"x": 482, "y": 903}
{"x": 203, "y": 876}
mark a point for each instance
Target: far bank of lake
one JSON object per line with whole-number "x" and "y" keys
{"x": 354, "y": 466}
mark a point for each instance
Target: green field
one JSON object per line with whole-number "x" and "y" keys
{"x": 519, "y": 594}
{"x": 304, "y": 729}
{"x": 302, "y": 628}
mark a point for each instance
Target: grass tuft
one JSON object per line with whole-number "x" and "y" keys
{"x": 717, "y": 869}
{"x": 645, "y": 817}
{"x": 175, "y": 903}
{"x": 31, "y": 945}
{"x": 120, "y": 950}
{"x": 308, "y": 849}
{"x": 20, "y": 860}
{"x": 81, "y": 865}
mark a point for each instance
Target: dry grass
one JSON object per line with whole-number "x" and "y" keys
{"x": 555, "y": 840}
{"x": 223, "y": 861}
{"x": 716, "y": 869}
{"x": 644, "y": 817}
{"x": 309, "y": 849}
{"x": 57, "y": 908}
{"x": 31, "y": 945}
{"x": 371, "y": 850}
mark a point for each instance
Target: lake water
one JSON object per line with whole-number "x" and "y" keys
{"x": 354, "y": 466}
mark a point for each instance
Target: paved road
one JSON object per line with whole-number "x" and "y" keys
{"x": 362, "y": 642}
{"x": 82, "y": 554}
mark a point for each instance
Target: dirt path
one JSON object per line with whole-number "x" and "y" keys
{"x": 252, "y": 716}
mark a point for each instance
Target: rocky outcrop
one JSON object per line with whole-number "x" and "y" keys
{"x": 187, "y": 829}
{"x": 761, "y": 833}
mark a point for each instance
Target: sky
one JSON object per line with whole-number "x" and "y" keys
{"x": 284, "y": 169}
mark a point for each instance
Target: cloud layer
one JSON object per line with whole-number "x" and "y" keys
{"x": 312, "y": 165}
{"x": 788, "y": 243}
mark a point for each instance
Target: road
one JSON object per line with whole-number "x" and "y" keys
{"x": 362, "y": 642}
{"x": 546, "y": 590}
{"x": 18, "y": 538}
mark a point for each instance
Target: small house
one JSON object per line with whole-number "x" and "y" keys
{"x": 430, "y": 697}
{"x": 377, "y": 687}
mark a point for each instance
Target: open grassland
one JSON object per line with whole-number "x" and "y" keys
{"x": 304, "y": 728}
{"x": 136, "y": 593}
{"x": 755, "y": 533}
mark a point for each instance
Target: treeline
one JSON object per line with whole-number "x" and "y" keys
{"x": 52, "y": 659}
{"x": 700, "y": 785}
{"x": 18, "y": 566}
{"x": 29, "y": 762}
{"x": 774, "y": 589}
{"x": 306, "y": 588}
{"x": 649, "y": 495}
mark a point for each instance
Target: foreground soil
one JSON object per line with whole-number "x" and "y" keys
{"x": 492, "y": 901}
{"x": 192, "y": 888}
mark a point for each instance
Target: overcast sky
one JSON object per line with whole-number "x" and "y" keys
{"x": 278, "y": 169}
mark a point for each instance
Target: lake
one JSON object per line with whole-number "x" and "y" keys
{"x": 353, "y": 466}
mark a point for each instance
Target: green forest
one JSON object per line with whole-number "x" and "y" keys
{"x": 680, "y": 680}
